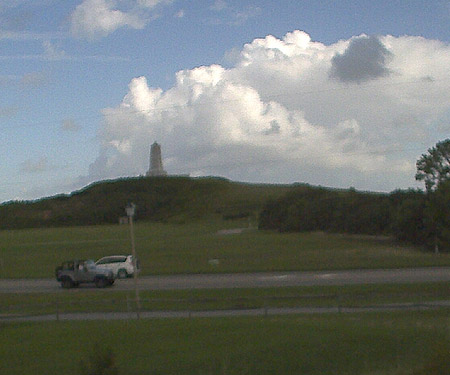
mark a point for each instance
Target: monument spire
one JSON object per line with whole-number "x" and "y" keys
{"x": 156, "y": 167}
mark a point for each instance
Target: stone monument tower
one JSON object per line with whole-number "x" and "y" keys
{"x": 156, "y": 167}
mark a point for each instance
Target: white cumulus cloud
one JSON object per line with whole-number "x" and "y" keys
{"x": 93, "y": 19}
{"x": 283, "y": 114}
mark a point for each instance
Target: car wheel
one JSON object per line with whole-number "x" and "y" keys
{"x": 67, "y": 283}
{"x": 101, "y": 282}
{"x": 122, "y": 274}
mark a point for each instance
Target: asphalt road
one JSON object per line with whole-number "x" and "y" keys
{"x": 247, "y": 280}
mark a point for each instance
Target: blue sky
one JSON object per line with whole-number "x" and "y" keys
{"x": 329, "y": 93}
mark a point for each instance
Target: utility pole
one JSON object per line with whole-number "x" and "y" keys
{"x": 131, "y": 209}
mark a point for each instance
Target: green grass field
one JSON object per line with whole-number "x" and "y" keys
{"x": 404, "y": 343}
{"x": 188, "y": 248}
{"x": 414, "y": 343}
{"x": 209, "y": 299}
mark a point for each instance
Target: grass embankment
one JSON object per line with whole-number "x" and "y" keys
{"x": 190, "y": 248}
{"x": 198, "y": 300}
{"x": 383, "y": 344}
{"x": 174, "y": 199}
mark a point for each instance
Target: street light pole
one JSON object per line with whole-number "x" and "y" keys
{"x": 130, "y": 209}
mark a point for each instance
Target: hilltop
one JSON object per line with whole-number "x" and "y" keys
{"x": 407, "y": 215}
{"x": 174, "y": 199}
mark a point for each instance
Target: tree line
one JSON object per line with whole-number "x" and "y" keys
{"x": 415, "y": 216}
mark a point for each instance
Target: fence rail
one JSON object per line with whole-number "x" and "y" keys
{"x": 126, "y": 308}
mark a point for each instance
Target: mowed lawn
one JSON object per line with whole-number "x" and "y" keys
{"x": 201, "y": 248}
{"x": 373, "y": 343}
{"x": 109, "y": 300}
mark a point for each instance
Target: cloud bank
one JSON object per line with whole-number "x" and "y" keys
{"x": 355, "y": 113}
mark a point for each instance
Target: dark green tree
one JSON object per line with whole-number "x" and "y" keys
{"x": 437, "y": 217}
{"x": 434, "y": 167}
{"x": 408, "y": 211}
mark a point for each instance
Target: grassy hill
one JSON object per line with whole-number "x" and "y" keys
{"x": 174, "y": 199}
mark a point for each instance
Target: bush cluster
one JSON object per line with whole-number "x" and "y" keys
{"x": 409, "y": 215}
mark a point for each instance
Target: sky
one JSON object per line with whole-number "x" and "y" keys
{"x": 332, "y": 93}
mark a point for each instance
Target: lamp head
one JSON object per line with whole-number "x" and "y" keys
{"x": 130, "y": 209}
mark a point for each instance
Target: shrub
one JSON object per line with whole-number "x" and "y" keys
{"x": 102, "y": 361}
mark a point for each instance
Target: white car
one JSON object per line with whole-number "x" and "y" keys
{"x": 121, "y": 265}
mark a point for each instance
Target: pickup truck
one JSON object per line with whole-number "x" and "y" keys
{"x": 75, "y": 272}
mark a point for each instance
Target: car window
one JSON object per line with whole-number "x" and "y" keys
{"x": 109, "y": 260}
{"x": 104, "y": 261}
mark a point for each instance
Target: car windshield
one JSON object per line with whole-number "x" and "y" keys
{"x": 89, "y": 263}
